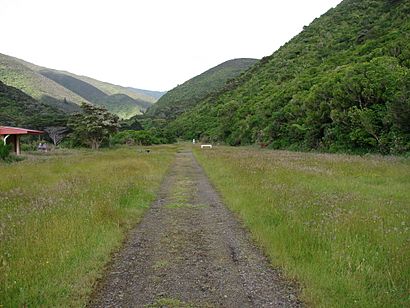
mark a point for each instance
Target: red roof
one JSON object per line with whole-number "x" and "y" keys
{"x": 6, "y": 130}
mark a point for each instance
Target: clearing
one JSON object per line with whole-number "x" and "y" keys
{"x": 190, "y": 251}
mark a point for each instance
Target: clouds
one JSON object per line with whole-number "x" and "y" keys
{"x": 153, "y": 44}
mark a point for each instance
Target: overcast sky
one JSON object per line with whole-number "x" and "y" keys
{"x": 149, "y": 44}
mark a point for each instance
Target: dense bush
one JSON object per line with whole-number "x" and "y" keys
{"x": 132, "y": 137}
{"x": 342, "y": 84}
{"x": 4, "y": 150}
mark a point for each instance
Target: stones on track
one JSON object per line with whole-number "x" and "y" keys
{"x": 190, "y": 251}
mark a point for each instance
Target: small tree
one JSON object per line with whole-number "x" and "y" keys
{"x": 93, "y": 125}
{"x": 57, "y": 133}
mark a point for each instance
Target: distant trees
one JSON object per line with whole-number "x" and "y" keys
{"x": 93, "y": 125}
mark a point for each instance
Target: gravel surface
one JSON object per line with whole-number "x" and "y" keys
{"x": 190, "y": 251}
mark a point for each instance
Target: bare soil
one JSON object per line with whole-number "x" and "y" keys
{"x": 190, "y": 251}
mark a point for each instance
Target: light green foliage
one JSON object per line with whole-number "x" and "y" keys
{"x": 94, "y": 125}
{"x": 342, "y": 84}
{"x": 339, "y": 224}
{"x": 61, "y": 218}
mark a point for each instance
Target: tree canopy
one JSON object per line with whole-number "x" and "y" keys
{"x": 342, "y": 84}
{"x": 93, "y": 125}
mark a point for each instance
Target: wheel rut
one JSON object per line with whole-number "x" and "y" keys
{"x": 190, "y": 251}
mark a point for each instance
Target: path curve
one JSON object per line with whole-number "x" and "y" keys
{"x": 189, "y": 251}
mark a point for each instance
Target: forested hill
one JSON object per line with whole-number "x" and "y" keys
{"x": 188, "y": 94}
{"x": 20, "y": 109}
{"x": 342, "y": 84}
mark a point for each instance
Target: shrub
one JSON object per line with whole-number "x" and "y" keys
{"x": 132, "y": 137}
{"x": 4, "y": 151}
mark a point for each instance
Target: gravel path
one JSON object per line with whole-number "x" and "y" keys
{"x": 189, "y": 251}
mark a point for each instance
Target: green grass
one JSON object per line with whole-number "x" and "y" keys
{"x": 62, "y": 216}
{"x": 339, "y": 224}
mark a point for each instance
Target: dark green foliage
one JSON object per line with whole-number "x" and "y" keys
{"x": 187, "y": 95}
{"x": 19, "y": 109}
{"x": 4, "y": 150}
{"x": 94, "y": 125}
{"x": 131, "y": 124}
{"x": 132, "y": 137}
{"x": 342, "y": 84}
{"x": 158, "y": 128}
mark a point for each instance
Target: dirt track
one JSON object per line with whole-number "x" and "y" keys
{"x": 189, "y": 251}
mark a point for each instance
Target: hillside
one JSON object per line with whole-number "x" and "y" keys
{"x": 110, "y": 89}
{"x": 66, "y": 91}
{"x": 155, "y": 94}
{"x": 119, "y": 103}
{"x": 342, "y": 84}
{"x": 14, "y": 72}
{"x": 187, "y": 95}
{"x": 20, "y": 109}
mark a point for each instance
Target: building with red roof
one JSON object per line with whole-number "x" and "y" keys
{"x": 11, "y": 135}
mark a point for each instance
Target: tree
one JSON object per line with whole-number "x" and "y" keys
{"x": 57, "y": 133}
{"x": 93, "y": 125}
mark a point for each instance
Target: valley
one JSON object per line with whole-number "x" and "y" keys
{"x": 331, "y": 227}
{"x": 300, "y": 198}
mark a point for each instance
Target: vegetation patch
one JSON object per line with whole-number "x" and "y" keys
{"x": 160, "y": 264}
{"x": 61, "y": 217}
{"x": 341, "y": 85}
{"x": 339, "y": 224}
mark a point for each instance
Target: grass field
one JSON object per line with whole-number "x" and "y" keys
{"x": 338, "y": 224}
{"x": 61, "y": 217}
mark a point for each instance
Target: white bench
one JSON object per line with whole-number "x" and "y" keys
{"x": 203, "y": 146}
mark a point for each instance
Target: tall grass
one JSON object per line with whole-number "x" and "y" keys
{"x": 61, "y": 218}
{"x": 339, "y": 224}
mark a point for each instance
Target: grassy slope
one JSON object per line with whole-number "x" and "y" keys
{"x": 20, "y": 109}
{"x": 61, "y": 218}
{"x": 185, "y": 96}
{"x": 107, "y": 88}
{"x": 14, "y": 72}
{"x": 121, "y": 104}
{"x": 156, "y": 94}
{"x": 111, "y": 89}
{"x": 120, "y": 100}
{"x": 339, "y": 224}
{"x": 52, "y": 86}
{"x": 280, "y": 100}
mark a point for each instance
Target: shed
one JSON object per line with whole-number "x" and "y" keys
{"x": 11, "y": 135}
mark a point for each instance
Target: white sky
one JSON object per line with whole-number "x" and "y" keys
{"x": 149, "y": 44}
